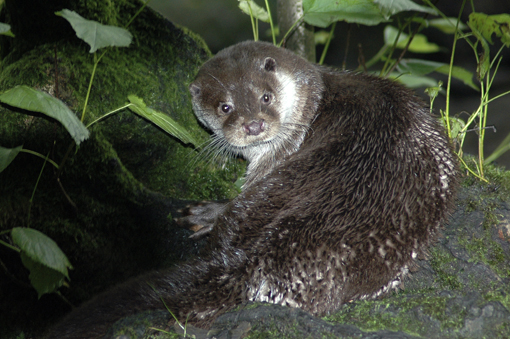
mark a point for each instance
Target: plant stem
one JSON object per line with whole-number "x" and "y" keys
{"x": 291, "y": 29}
{"x": 136, "y": 14}
{"x": 90, "y": 83}
{"x": 40, "y": 156}
{"x": 449, "y": 84}
{"x": 35, "y": 188}
{"x": 108, "y": 114}
{"x": 271, "y": 22}
{"x": 326, "y": 46}
{"x": 10, "y": 246}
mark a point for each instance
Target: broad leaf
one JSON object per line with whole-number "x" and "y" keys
{"x": 161, "y": 120}
{"x": 30, "y": 99}
{"x": 391, "y": 7}
{"x": 95, "y": 34}
{"x": 322, "y": 13}
{"x": 42, "y": 278}
{"x": 41, "y": 249}
{"x": 251, "y": 8}
{"x": 413, "y": 81}
{"x": 488, "y": 25}
{"x": 420, "y": 67}
{"x": 447, "y": 25}
{"x": 5, "y": 29}
{"x": 7, "y": 155}
{"x": 419, "y": 44}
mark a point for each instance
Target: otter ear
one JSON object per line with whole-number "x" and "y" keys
{"x": 194, "y": 90}
{"x": 270, "y": 64}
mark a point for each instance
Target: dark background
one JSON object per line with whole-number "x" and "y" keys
{"x": 221, "y": 23}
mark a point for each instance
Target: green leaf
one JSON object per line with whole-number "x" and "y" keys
{"x": 321, "y": 37}
{"x": 42, "y": 278}
{"x": 322, "y": 13}
{"x": 419, "y": 44}
{"x": 456, "y": 125}
{"x": 95, "y": 34}
{"x": 420, "y": 67}
{"x": 30, "y": 99}
{"x": 413, "y": 81}
{"x": 41, "y": 249}
{"x": 7, "y": 155}
{"x": 487, "y": 25}
{"x": 161, "y": 120}
{"x": 391, "y": 7}
{"x": 5, "y": 29}
{"x": 484, "y": 60}
{"x": 257, "y": 11}
{"x": 460, "y": 73}
{"x": 447, "y": 25}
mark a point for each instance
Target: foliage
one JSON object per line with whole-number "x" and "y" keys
{"x": 34, "y": 100}
{"x": 46, "y": 262}
{"x": 407, "y": 37}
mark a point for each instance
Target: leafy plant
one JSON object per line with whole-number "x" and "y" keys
{"x": 407, "y": 37}
{"x": 46, "y": 262}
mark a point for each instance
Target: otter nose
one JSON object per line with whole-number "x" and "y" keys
{"x": 255, "y": 127}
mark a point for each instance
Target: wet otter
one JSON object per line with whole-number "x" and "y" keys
{"x": 348, "y": 182}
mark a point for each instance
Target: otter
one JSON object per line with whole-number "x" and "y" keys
{"x": 349, "y": 181}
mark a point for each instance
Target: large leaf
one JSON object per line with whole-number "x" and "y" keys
{"x": 46, "y": 262}
{"x": 419, "y": 44}
{"x": 446, "y": 25}
{"x": 251, "y": 8}
{"x": 420, "y": 67}
{"x": 161, "y": 120}
{"x": 41, "y": 249}
{"x": 30, "y": 99}
{"x": 7, "y": 155}
{"x": 95, "y": 34}
{"x": 5, "y": 30}
{"x": 322, "y": 13}
{"x": 42, "y": 278}
{"x": 488, "y": 25}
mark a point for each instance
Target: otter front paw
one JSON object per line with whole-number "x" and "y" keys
{"x": 200, "y": 217}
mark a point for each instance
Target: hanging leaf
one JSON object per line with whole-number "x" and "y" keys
{"x": 95, "y": 34}
{"x": 42, "y": 278}
{"x": 46, "y": 262}
{"x": 322, "y": 13}
{"x": 161, "y": 120}
{"x": 419, "y": 44}
{"x": 487, "y": 25}
{"x": 30, "y": 99}
{"x": 391, "y": 7}
{"x": 257, "y": 11}
{"x": 420, "y": 67}
{"x": 41, "y": 249}
{"x": 413, "y": 81}
{"x": 7, "y": 155}
{"x": 447, "y": 25}
{"x": 5, "y": 29}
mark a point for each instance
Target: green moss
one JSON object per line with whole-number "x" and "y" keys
{"x": 440, "y": 261}
{"x": 400, "y": 314}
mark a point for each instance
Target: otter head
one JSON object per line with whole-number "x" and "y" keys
{"x": 257, "y": 98}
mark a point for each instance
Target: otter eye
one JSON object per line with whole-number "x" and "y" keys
{"x": 266, "y": 98}
{"x": 225, "y": 108}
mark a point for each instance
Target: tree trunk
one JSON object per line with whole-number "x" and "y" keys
{"x": 301, "y": 40}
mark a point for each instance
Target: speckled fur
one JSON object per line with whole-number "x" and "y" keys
{"x": 339, "y": 216}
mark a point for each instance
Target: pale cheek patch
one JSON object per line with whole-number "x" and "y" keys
{"x": 287, "y": 93}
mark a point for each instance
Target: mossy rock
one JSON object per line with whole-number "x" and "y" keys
{"x": 461, "y": 291}
{"x": 110, "y": 208}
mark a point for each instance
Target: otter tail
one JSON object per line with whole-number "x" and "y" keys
{"x": 181, "y": 290}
